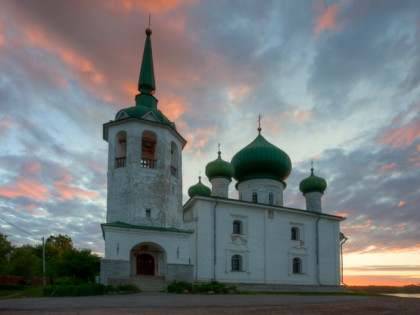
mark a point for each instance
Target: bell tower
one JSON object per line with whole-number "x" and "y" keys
{"x": 144, "y": 159}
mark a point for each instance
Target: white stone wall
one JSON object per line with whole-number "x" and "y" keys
{"x": 133, "y": 189}
{"x": 263, "y": 187}
{"x": 265, "y": 244}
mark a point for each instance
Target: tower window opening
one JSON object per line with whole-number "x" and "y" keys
{"x": 148, "y": 213}
{"x": 148, "y": 150}
{"x": 237, "y": 227}
{"x": 236, "y": 263}
{"x": 254, "y": 197}
{"x": 121, "y": 149}
{"x": 174, "y": 160}
{"x": 297, "y": 265}
{"x": 270, "y": 198}
{"x": 294, "y": 233}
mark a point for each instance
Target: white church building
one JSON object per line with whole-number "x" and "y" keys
{"x": 254, "y": 242}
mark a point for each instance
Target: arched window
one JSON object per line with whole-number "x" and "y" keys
{"x": 240, "y": 196}
{"x": 174, "y": 159}
{"x": 270, "y": 198}
{"x": 297, "y": 265}
{"x": 294, "y": 233}
{"x": 254, "y": 197}
{"x": 148, "y": 150}
{"x": 237, "y": 227}
{"x": 120, "y": 149}
{"x": 236, "y": 263}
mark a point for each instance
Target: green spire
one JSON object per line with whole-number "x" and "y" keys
{"x": 146, "y": 85}
{"x": 147, "y": 75}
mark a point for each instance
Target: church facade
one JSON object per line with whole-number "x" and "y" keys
{"x": 254, "y": 242}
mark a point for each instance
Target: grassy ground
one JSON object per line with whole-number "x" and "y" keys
{"x": 15, "y": 294}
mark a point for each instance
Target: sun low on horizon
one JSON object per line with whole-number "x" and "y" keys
{"x": 336, "y": 83}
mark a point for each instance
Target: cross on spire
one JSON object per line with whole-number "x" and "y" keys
{"x": 312, "y": 167}
{"x": 259, "y": 123}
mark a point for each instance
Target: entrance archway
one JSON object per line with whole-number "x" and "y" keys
{"x": 145, "y": 265}
{"x": 147, "y": 259}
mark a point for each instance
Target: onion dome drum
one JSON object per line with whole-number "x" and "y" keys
{"x": 261, "y": 160}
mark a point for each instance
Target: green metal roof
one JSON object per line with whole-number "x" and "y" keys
{"x": 219, "y": 169}
{"x": 141, "y": 111}
{"x": 313, "y": 183}
{"x": 199, "y": 189}
{"x": 261, "y": 159}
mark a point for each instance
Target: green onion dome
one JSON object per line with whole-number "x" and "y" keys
{"x": 219, "y": 169}
{"x": 261, "y": 160}
{"x": 199, "y": 190}
{"x": 313, "y": 184}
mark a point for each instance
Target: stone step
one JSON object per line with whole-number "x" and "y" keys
{"x": 150, "y": 283}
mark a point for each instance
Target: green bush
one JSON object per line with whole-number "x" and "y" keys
{"x": 180, "y": 287}
{"x": 48, "y": 290}
{"x": 12, "y": 287}
{"x": 209, "y": 288}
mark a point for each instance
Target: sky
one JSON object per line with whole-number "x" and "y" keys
{"x": 336, "y": 82}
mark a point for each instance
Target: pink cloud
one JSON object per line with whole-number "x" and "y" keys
{"x": 401, "y": 137}
{"x": 173, "y": 106}
{"x": 4, "y": 126}
{"x": 367, "y": 224}
{"x": 31, "y": 207}
{"x": 69, "y": 192}
{"x": 154, "y": 7}
{"x": 200, "y": 138}
{"x": 340, "y": 214}
{"x": 326, "y": 17}
{"x": 387, "y": 167}
{"x": 1, "y": 33}
{"x": 301, "y": 116}
{"x": 26, "y": 188}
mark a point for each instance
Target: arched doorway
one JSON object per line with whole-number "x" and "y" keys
{"x": 148, "y": 259}
{"x": 145, "y": 265}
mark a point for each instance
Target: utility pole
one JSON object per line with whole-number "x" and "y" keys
{"x": 43, "y": 262}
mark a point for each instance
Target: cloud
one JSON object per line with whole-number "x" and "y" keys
{"x": 401, "y": 137}
{"x": 365, "y": 225}
{"x": 326, "y": 17}
{"x": 1, "y": 33}
{"x": 154, "y": 7}
{"x": 66, "y": 191}
{"x": 387, "y": 167}
{"x": 26, "y": 188}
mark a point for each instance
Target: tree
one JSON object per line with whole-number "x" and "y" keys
{"x": 79, "y": 264}
{"x": 59, "y": 243}
{"x": 24, "y": 262}
{"x": 5, "y": 253}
